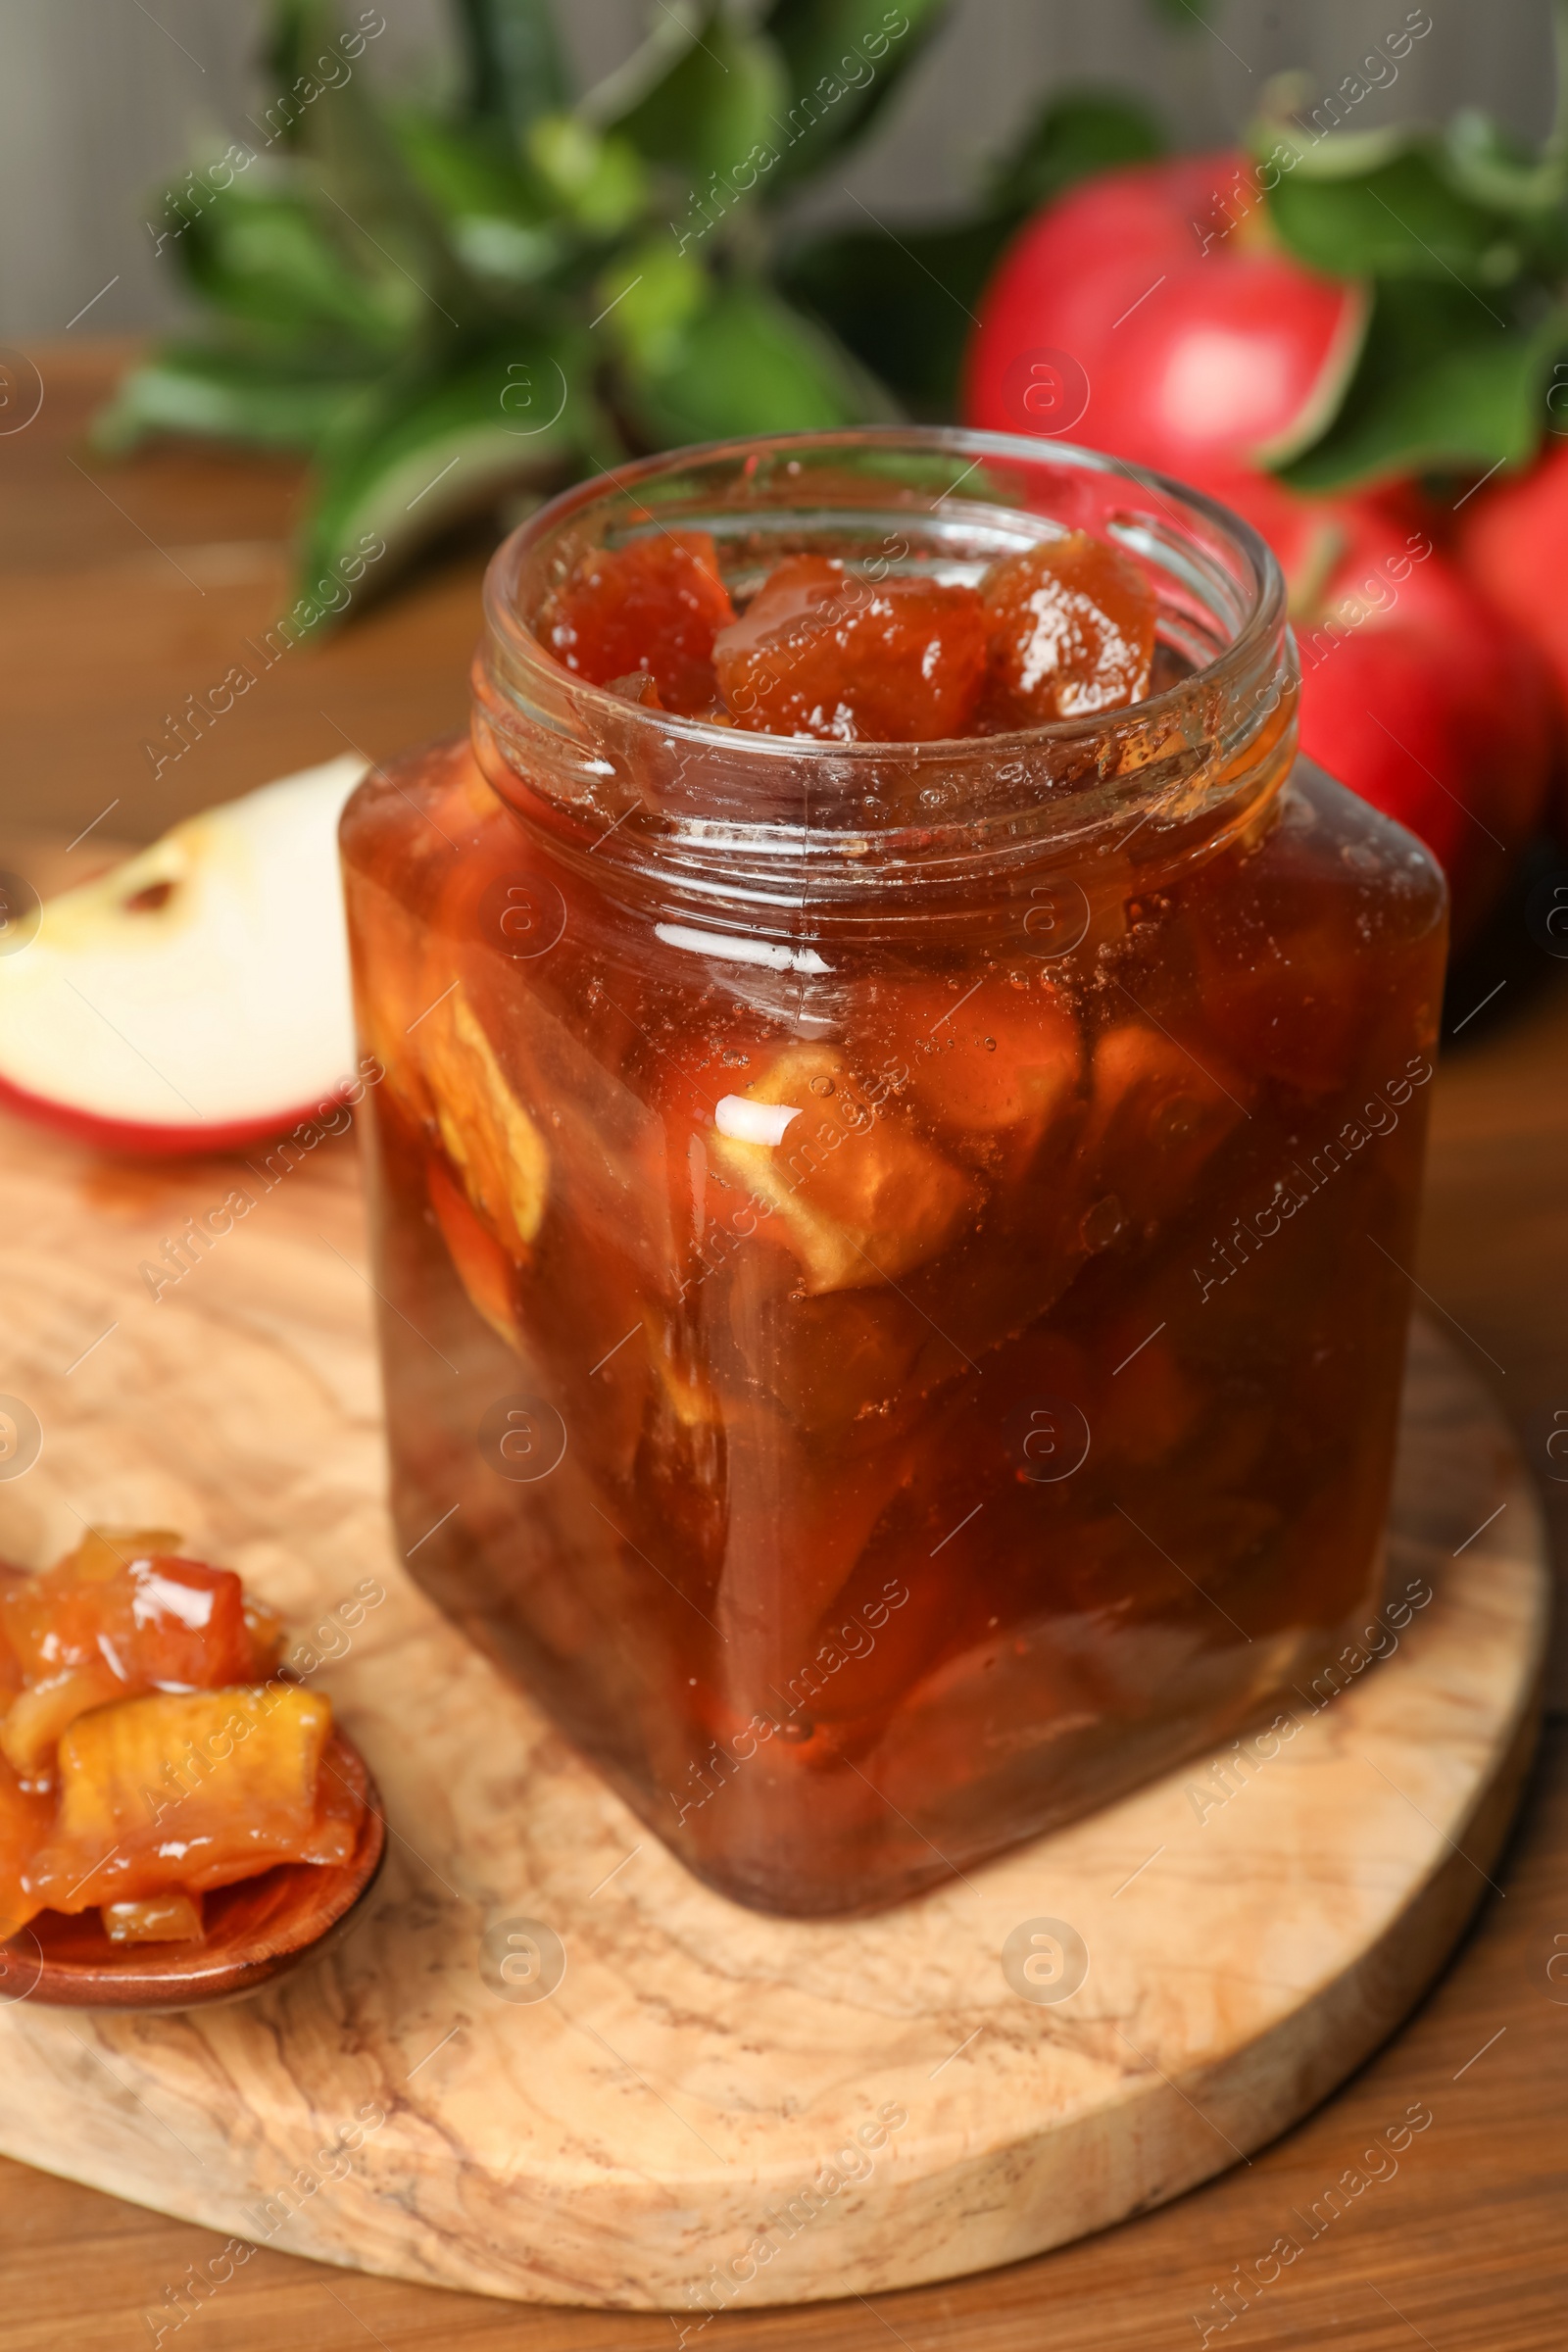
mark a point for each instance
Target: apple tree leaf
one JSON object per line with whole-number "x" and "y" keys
{"x": 842, "y": 60}
{"x": 1442, "y": 385}
{"x": 712, "y": 106}
{"x": 1402, "y": 218}
{"x": 264, "y": 256}
{"x": 423, "y": 448}
{"x": 746, "y": 363}
{"x": 216, "y": 395}
{"x": 515, "y": 68}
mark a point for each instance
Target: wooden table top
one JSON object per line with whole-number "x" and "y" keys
{"x": 125, "y": 589}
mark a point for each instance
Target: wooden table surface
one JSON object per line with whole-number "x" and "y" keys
{"x": 126, "y": 589}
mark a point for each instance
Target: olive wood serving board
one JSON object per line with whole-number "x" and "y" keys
{"x": 709, "y": 2110}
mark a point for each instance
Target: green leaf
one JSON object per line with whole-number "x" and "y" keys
{"x": 1441, "y": 386}
{"x": 1401, "y": 218}
{"x": 1295, "y": 134}
{"x": 1528, "y": 193}
{"x": 843, "y": 60}
{"x": 1498, "y": 170}
{"x": 218, "y": 395}
{"x": 598, "y": 180}
{"x": 713, "y": 109}
{"x": 500, "y": 218}
{"x": 748, "y": 363}
{"x": 349, "y": 161}
{"x": 464, "y": 168}
{"x": 1074, "y": 134}
{"x": 269, "y": 259}
{"x": 423, "y": 449}
{"x": 906, "y": 307}
{"x": 296, "y": 31}
{"x": 515, "y": 68}
{"x": 648, "y": 302}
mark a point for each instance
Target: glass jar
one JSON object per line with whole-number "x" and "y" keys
{"x": 892, "y": 1256}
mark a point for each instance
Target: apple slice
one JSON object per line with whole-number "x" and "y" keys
{"x": 172, "y": 1918}
{"x": 191, "y": 1789}
{"x": 196, "y": 998}
{"x": 25, "y": 1821}
{"x": 483, "y": 1267}
{"x": 864, "y": 1213}
{"x": 492, "y": 1143}
{"x": 1157, "y": 1118}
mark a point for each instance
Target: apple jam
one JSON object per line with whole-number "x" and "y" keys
{"x": 890, "y": 1245}
{"x": 149, "y": 1753}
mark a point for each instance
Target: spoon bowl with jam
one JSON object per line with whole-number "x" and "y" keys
{"x": 179, "y": 1822}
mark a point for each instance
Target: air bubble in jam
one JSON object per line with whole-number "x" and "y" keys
{"x": 1103, "y": 1224}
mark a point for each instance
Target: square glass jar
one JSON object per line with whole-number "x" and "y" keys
{"x": 890, "y": 1252}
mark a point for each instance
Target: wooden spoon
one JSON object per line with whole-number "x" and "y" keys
{"x": 257, "y": 1931}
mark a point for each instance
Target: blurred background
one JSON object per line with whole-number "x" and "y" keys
{"x": 102, "y": 99}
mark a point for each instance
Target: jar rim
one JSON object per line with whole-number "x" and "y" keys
{"x": 698, "y": 813}
{"x": 1263, "y": 619}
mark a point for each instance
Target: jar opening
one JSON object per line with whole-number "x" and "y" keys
{"x": 771, "y": 818}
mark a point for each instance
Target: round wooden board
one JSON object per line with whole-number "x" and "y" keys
{"x": 712, "y": 2110}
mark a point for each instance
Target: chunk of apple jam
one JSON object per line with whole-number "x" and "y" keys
{"x": 860, "y": 1197}
{"x": 1157, "y": 1118}
{"x": 993, "y": 1069}
{"x": 172, "y": 1918}
{"x": 819, "y": 651}
{"x": 192, "y": 1792}
{"x": 491, "y": 1141}
{"x": 147, "y": 1753}
{"x": 122, "y": 1614}
{"x": 24, "y": 1818}
{"x": 1060, "y": 630}
{"x": 652, "y": 607}
{"x": 485, "y": 1270}
{"x": 1072, "y": 631}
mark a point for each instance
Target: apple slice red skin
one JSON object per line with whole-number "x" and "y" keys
{"x": 140, "y": 1139}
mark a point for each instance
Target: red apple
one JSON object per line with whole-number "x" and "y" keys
{"x": 1512, "y": 540}
{"x": 1421, "y": 697}
{"x": 1199, "y": 345}
{"x": 1207, "y": 352}
{"x": 196, "y": 998}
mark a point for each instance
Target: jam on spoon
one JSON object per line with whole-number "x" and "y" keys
{"x": 152, "y": 1760}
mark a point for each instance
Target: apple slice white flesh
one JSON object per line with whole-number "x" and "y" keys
{"x": 197, "y": 997}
